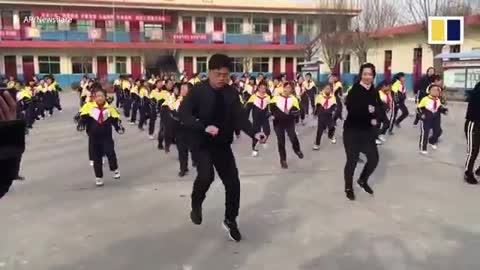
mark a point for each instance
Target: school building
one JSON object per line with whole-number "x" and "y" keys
{"x": 405, "y": 49}
{"x": 103, "y": 38}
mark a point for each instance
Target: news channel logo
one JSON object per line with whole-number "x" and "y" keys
{"x": 445, "y": 30}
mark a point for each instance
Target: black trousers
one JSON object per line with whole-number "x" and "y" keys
{"x": 384, "y": 120}
{"x": 153, "y": 119}
{"x": 472, "y": 133}
{"x": 166, "y": 132}
{"x": 280, "y": 130}
{"x": 339, "y": 111}
{"x": 325, "y": 122}
{"x": 430, "y": 124}
{"x": 403, "y": 108}
{"x": 311, "y": 96}
{"x": 48, "y": 101}
{"x": 101, "y": 147}
{"x": 260, "y": 124}
{"x": 41, "y": 106}
{"x": 143, "y": 115}
{"x": 359, "y": 141}
{"x": 135, "y": 107}
{"x": 221, "y": 158}
{"x": 127, "y": 104}
{"x": 183, "y": 148}
{"x": 56, "y": 100}
{"x": 304, "y": 106}
{"x": 118, "y": 96}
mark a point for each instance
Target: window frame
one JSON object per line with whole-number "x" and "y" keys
{"x": 121, "y": 71}
{"x": 230, "y": 22}
{"x": 237, "y": 61}
{"x": 259, "y": 27}
{"x": 82, "y": 61}
{"x": 49, "y": 61}
{"x": 203, "y": 23}
{"x": 261, "y": 62}
{"x": 204, "y": 64}
{"x": 346, "y": 64}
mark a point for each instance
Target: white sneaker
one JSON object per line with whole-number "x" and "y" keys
{"x": 333, "y": 140}
{"x": 316, "y": 147}
{"x": 378, "y": 142}
{"x": 424, "y": 153}
{"x": 99, "y": 182}
{"x": 116, "y": 174}
{"x": 151, "y": 137}
{"x": 132, "y": 123}
{"x": 254, "y": 153}
{"x": 91, "y": 162}
{"x": 103, "y": 161}
{"x": 382, "y": 138}
{"x": 434, "y": 146}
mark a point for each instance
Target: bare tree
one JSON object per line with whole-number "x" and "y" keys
{"x": 247, "y": 64}
{"x": 375, "y": 15}
{"x": 420, "y": 10}
{"x": 333, "y": 48}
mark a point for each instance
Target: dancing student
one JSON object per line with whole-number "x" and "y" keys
{"x": 166, "y": 99}
{"x": 127, "y": 84}
{"x": 25, "y": 106}
{"x": 325, "y": 107}
{"x": 135, "y": 100}
{"x": 304, "y": 99}
{"x": 386, "y": 111}
{"x": 472, "y": 134}
{"x": 260, "y": 79}
{"x": 258, "y": 106}
{"x": 54, "y": 87}
{"x": 420, "y": 89}
{"x": 151, "y": 81}
{"x": 98, "y": 118}
{"x": 211, "y": 112}
{"x": 11, "y": 82}
{"x": 154, "y": 108}
{"x": 117, "y": 88}
{"x": 311, "y": 89}
{"x": 284, "y": 108}
{"x": 195, "y": 79}
{"x": 277, "y": 87}
{"x": 144, "y": 104}
{"x": 400, "y": 96}
{"x": 359, "y": 131}
{"x": 249, "y": 88}
{"x": 430, "y": 108}
{"x": 181, "y": 133}
{"x": 338, "y": 93}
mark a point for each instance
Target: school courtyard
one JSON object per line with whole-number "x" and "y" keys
{"x": 422, "y": 216}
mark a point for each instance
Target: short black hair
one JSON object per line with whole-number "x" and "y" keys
{"x": 367, "y": 65}
{"x": 97, "y": 87}
{"x": 189, "y": 85}
{"x": 383, "y": 83}
{"x": 218, "y": 61}
{"x": 436, "y": 77}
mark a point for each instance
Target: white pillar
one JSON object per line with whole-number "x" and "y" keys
{"x": 247, "y": 27}
{"x": 180, "y": 64}
{"x": 111, "y": 64}
{"x": 127, "y": 27}
{"x": 270, "y": 25}
{"x": 19, "y": 63}
{"x": 16, "y": 20}
{"x": 36, "y": 69}
{"x": 65, "y": 65}
{"x": 142, "y": 61}
{"x": 129, "y": 65}
{"x": 141, "y": 24}
{"x": 194, "y": 26}
{"x": 282, "y": 64}
{"x": 194, "y": 61}
{"x": 270, "y": 64}
{"x": 2, "y": 65}
{"x": 295, "y": 29}
{"x": 180, "y": 24}
{"x": 283, "y": 27}
{"x": 209, "y": 24}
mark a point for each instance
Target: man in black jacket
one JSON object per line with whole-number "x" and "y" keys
{"x": 12, "y": 143}
{"x": 212, "y": 111}
{"x": 472, "y": 133}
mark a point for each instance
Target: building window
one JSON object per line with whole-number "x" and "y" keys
{"x": 201, "y": 64}
{"x": 81, "y": 65}
{"x": 455, "y": 48}
{"x": 304, "y": 27}
{"x": 81, "y": 25}
{"x": 121, "y": 64}
{"x": 328, "y": 25}
{"x": 120, "y": 26}
{"x": 234, "y": 25}
{"x": 47, "y": 25}
{"x": 49, "y": 64}
{"x": 237, "y": 64}
{"x": 300, "y": 60}
{"x": 200, "y": 25}
{"x": 260, "y": 64}
{"x": 7, "y": 19}
{"x": 346, "y": 64}
{"x": 153, "y": 31}
{"x": 261, "y": 25}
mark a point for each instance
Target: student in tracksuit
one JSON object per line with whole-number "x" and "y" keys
{"x": 472, "y": 133}
{"x": 285, "y": 107}
{"x": 304, "y": 99}
{"x": 338, "y": 93}
{"x": 154, "y": 109}
{"x": 400, "y": 94}
{"x": 117, "y": 88}
{"x": 127, "y": 84}
{"x": 135, "y": 100}
{"x": 420, "y": 89}
{"x": 25, "y": 102}
{"x": 165, "y": 132}
{"x": 325, "y": 107}
{"x": 144, "y": 104}
{"x": 386, "y": 111}
{"x": 430, "y": 108}
{"x": 249, "y": 88}
{"x": 311, "y": 89}
{"x": 181, "y": 133}
{"x": 258, "y": 106}
{"x": 98, "y": 118}
{"x": 360, "y": 129}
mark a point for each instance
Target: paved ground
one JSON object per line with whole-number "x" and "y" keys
{"x": 422, "y": 216}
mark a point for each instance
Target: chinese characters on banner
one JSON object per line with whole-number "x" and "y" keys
{"x": 190, "y": 37}
{"x": 106, "y": 17}
{"x": 9, "y": 33}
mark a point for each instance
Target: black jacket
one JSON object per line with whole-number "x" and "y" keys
{"x": 197, "y": 112}
{"x": 357, "y": 102}
{"x": 473, "y": 109}
{"x": 12, "y": 146}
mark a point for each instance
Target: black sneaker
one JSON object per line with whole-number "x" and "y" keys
{"x": 160, "y": 147}
{"x": 299, "y": 154}
{"x": 470, "y": 178}
{"x": 365, "y": 187}
{"x": 232, "y": 229}
{"x": 19, "y": 178}
{"x": 284, "y": 164}
{"x": 350, "y": 194}
{"x": 477, "y": 172}
{"x": 182, "y": 173}
{"x": 196, "y": 215}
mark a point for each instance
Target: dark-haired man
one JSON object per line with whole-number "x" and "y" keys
{"x": 212, "y": 112}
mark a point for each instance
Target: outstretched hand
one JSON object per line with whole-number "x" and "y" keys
{"x": 261, "y": 137}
